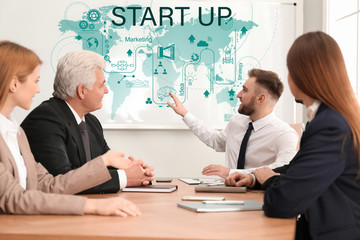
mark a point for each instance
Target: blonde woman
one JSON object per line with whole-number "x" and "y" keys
{"x": 25, "y": 186}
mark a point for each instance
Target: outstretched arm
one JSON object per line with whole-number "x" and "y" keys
{"x": 178, "y": 107}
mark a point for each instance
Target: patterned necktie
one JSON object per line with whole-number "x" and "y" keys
{"x": 85, "y": 138}
{"x": 241, "y": 158}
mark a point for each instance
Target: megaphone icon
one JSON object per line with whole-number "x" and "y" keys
{"x": 166, "y": 52}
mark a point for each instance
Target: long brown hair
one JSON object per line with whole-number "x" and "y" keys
{"x": 317, "y": 67}
{"x": 15, "y": 61}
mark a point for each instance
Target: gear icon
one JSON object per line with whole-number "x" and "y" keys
{"x": 93, "y": 15}
{"x": 83, "y": 24}
{"x": 194, "y": 57}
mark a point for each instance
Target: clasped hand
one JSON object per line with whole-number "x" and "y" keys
{"x": 117, "y": 160}
{"x": 238, "y": 179}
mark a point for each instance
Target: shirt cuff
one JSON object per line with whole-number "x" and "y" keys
{"x": 188, "y": 118}
{"x": 244, "y": 171}
{"x": 122, "y": 178}
{"x": 254, "y": 180}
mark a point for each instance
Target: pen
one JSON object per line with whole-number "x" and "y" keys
{"x": 234, "y": 202}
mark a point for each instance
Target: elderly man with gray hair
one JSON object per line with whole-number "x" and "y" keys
{"x": 62, "y": 132}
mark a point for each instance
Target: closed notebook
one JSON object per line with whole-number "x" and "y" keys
{"x": 151, "y": 188}
{"x": 249, "y": 205}
{"x": 219, "y": 189}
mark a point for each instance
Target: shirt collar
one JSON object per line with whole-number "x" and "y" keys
{"x": 262, "y": 122}
{"x": 77, "y": 117}
{"x": 8, "y": 124}
{"x": 312, "y": 110}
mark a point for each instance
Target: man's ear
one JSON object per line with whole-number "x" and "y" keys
{"x": 261, "y": 98}
{"x": 14, "y": 84}
{"x": 80, "y": 91}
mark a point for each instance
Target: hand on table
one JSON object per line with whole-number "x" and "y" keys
{"x": 217, "y": 170}
{"x": 111, "y": 206}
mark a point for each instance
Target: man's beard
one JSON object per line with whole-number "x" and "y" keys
{"x": 247, "y": 109}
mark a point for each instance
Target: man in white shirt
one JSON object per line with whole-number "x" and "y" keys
{"x": 263, "y": 177}
{"x": 272, "y": 142}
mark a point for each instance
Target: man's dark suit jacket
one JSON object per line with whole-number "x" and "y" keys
{"x": 56, "y": 142}
{"x": 320, "y": 182}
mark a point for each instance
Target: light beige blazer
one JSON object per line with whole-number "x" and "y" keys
{"x": 42, "y": 192}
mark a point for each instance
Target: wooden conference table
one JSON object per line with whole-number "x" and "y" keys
{"x": 160, "y": 219}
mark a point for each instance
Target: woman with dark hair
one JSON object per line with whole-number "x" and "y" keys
{"x": 25, "y": 186}
{"x": 321, "y": 184}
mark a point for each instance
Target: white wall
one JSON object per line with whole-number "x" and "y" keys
{"x": 313, "y": 21}
{"x": 178, "y": 153}
{"x": 173, "y": 153}
{"x": 313, "y": 15}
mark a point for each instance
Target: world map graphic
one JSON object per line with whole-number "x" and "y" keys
{"x": 147, "y": 60}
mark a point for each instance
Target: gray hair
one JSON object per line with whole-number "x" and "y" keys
{"x": 74, "y": 69}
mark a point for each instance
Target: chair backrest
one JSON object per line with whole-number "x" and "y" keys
{"x": 298, "y": 127}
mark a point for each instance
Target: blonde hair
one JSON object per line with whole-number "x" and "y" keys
{"x": 15, "y": 61}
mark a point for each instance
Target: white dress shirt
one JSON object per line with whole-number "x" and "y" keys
{"x": 312, "y": 110}
{"x": 121, "y": 173}
{"x": 272, "y": 142}
{"x": 9, "y": 129}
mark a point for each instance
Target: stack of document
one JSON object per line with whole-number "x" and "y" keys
{"x": 221, "y": 206}
{"x": 196, "y": 181}
{"x": 151, "y": 188}
{"x": 219, "y": 188}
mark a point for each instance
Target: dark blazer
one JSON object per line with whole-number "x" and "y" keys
{"x": 56, "y": 142}
{"x": 320, "y": 182}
